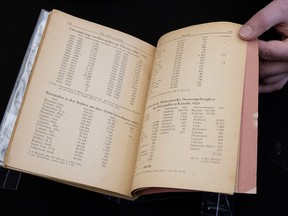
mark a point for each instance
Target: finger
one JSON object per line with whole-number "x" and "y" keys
{"x": 273, "y": 79}
{"x": 271, "y": 15}
{"x": 273, "y": 50}
{"x": 271, "y": 68}
{"x": 273, "y": 87}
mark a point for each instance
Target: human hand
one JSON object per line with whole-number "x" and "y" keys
{"x": 273, "y": 54}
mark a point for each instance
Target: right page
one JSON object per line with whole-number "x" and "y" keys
{"x": 191, "y": 130}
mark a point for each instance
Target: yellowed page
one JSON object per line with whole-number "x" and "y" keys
{"x": 191, "y": 128}
{"x": 84, "y": 105}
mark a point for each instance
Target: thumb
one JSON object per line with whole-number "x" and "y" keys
{"x": 262, "y": 21}
{"x": 246, "y": 32}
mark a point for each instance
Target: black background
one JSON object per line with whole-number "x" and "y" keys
{"x": 147, "y": 20}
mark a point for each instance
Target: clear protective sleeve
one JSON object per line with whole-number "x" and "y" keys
{"x": 9, "y": 178}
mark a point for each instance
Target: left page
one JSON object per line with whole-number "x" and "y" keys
{"x": 82, "y": 111}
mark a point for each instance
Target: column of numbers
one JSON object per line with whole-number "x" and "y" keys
{"x": 84, "y": 128}
{"x": 110, "y": 128}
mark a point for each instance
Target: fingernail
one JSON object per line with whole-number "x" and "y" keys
{"x": 245, "y": 31}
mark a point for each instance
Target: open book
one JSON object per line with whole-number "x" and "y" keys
{"x": 108, "y": 112}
